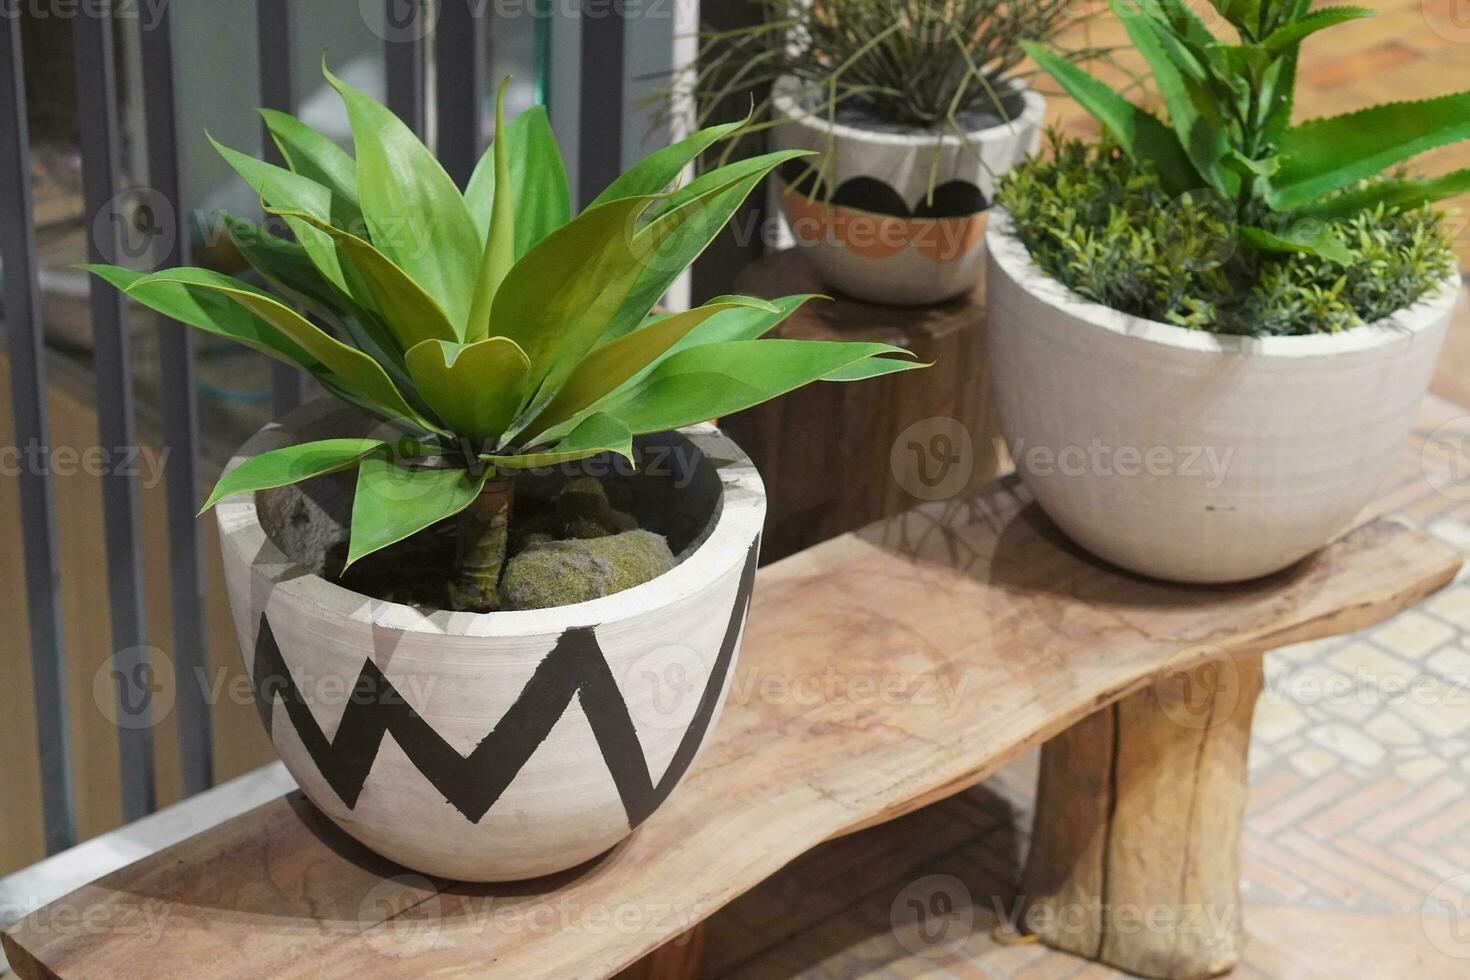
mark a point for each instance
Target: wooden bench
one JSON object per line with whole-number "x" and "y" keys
{"x": 881, "y": 671}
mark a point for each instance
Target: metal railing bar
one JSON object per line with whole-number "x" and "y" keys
{"x": 277, "y": 91}
{"x": 32, "y": 428}
{"x": 403, "y": 60}
{"x": 180, "y": 427}
{"x": 460, "y": 80}
{"x": 97, "y": 131}
{"x": 600, "y": 143}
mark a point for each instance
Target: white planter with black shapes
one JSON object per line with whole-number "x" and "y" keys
{"x": 500, "y": 746}
{"x": 864, "y": 211}
{"x": 1193, "y": 456}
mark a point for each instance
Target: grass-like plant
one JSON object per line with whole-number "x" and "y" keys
{"x": 1290, "y": 187}
{"x": 917, "y": 63}
{"x": 490, "y": 329}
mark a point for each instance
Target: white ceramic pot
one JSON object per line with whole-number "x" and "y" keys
{"x": 1193, "y": 456}
{"x": 876, "y": 236}
{"x": 500, "y": 746}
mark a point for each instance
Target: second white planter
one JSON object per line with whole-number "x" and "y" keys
{"x": 871, "y": 229}
{"x": 1193, "y": 456}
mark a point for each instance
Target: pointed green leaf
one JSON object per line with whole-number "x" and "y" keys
{"x": 538, "y": 181}
{"x": 1327, "y": 155}
{"x": 1393, "y": 194}
{"x": 411, "y": 313}
{"x": 1292, "y": 33}
{"x": 396, "y": 501}
{"x": 500, "y": 241}
{"x": 874, "y": 367}
{"x": 355, "y": 370}
{"x": 713, "y": 380}
{"x": 1141, "y": 136}
{"x": 655, "y": 172}
{"x": 595, "y": 435}
{"x": 282, "y": 467}
{"x": 414, "y": 212}
{"x": 289, "y": 192}
{"x": 608, "y": 366}
{"x": 313, "y": 155}
{"x": 208, "y": 311}
{"x": 475, "y": 389}
{"x": 1310, "y": 238}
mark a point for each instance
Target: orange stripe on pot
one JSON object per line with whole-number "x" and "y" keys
{"x": 880, "y": 236}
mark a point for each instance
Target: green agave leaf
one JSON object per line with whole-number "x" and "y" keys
{"x": 1204, "y": 141}
{"x": 874, "y": 367}
{"x": 414, "y": 212}
{"x": 713, "y": 380}
{"x": 475, "y": 389}
{"x": 410, "y": 312}
{"x": 289, "y": 192}
{"x": 1184, "y": 21}
{"x": 738, "y": 323}
{"x": 287, "y": 267}
{"x": 1243, "y": 15}
{"x": 500, "y": 241}
{"x": 355, "y": 370}
{"x": 1140, "y": 135}
{"x": 609, "y": 365}
{"x": 1327, "y": 155}
{"x": 1316, "y": 239}
{"x": 538, "y": 181}
{"x": 655, "y": 172}
{"x": 593, "y": 436}
{"x": 1291, "y": 34}
{"x": 208, "y": 311}
{"x": 313, "y": 155}
{"x": 394, "y": 501}
{"x": 686, "y": 224}
{"x": 1394, "y": 194}
{"x": 282, "y": 467}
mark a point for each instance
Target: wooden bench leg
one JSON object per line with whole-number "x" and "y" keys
{"x": 1135, "y": 856}
{"x": 679, "y": 959}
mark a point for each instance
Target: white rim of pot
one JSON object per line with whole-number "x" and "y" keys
{"x": 739, "y": 523}
{"x": 783, "y": 100}
{"x": 1015, "y": 259}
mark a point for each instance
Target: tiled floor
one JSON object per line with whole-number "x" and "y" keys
{"x": 1357, "y": 838}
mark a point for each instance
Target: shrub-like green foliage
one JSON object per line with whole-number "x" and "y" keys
{"x": 490, "y": 329}
{"x": 1230, "y": 130}
{"x": 1106, "y": 227}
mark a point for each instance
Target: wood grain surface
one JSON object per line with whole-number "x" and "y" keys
{"x": 881, "y": 671}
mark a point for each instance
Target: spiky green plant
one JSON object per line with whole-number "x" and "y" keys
{"x": 1230, "y": 131}
{"x": 491, "y": 330}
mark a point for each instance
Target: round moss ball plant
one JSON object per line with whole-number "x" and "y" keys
{"x": 451, "y": 586}
{"x": 1210, "y": 332}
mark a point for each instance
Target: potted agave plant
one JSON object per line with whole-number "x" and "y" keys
{"x": 913, "y": 108}
{"x": 495, "y": 724}
{"x": 1210, "y": 336}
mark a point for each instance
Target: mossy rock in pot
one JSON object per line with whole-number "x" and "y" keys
{"x": 559, "y": 573}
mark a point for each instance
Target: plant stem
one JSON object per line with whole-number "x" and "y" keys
{"x": 482, "y": 530}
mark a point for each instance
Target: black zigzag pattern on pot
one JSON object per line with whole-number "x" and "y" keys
{"x": 951, "y": 199}
{"x": 576, "y": 667}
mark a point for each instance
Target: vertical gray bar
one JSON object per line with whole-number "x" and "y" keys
{"x": 460, "y": 77}
{"x": 403, "y": 56}
{"x": 97, "y": 130}
{"x": 600, "y": 146}
{"x": 32, "y": 428}
{"x": 273, "y": 43}
{"x": 180, "y": 426}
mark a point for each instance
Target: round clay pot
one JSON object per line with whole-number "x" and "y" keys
{"x": 498, "y": 746}
{"x": 1193, "y": 456}
{"x": 871, "y": 229}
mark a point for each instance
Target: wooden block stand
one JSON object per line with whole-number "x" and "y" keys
{"x": 1141, "y": 691}
{"x": 837, "y": 457}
